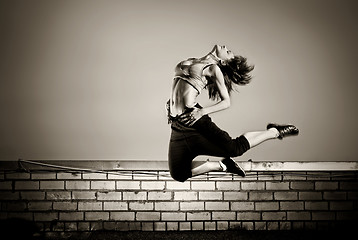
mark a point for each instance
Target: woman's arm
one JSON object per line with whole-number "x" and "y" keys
{"x": 224, "y": 102}
{"x": 196, "y": 114}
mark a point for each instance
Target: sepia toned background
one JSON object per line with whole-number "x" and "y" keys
{"x": 89, "y": 79}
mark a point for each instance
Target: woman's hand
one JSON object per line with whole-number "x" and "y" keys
{"x": 190, "y": 118}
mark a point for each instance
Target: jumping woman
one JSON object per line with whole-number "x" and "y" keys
{"x": 193, "y": 132}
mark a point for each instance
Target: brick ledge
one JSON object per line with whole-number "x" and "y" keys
{"x": 116, "y": 165}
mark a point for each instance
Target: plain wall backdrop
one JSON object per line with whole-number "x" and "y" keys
{"x": 89, "y": 79}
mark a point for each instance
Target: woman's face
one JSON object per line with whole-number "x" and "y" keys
{"x": 223, "y": 53}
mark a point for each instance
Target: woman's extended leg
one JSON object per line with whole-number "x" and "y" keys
{"x": 273, "y": 131}
{"x": 255, "y": 138}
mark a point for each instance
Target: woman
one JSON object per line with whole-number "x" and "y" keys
{"x": 193, "y": 132}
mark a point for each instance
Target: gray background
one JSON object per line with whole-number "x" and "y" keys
{"x": 89, "y": 79}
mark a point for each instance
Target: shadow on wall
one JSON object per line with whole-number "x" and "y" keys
{"x": 18, "y": 229}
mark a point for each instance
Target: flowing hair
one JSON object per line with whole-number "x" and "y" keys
{"x": 236, "y": 71}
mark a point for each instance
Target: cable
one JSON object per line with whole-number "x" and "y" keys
{"x": 159, "y": 174}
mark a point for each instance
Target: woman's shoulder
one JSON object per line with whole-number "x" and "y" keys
{"x": 212, "y": 70}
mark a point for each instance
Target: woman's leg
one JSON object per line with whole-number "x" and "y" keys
{"x": 199, "y": 168}
{"x": 256, "y": 138}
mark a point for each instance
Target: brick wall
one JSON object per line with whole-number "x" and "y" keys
{"x": 61, "y": 201}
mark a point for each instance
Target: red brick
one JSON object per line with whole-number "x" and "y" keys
{"x": 184, "y": 226}
{"x": 277, "y": 186}
{"x": 148, "y": 216}
{"x": 222, "y": 225}
{"x": 122, "y": 216}
{"x": 7, "y": 195}
{"x": 310, "y": 196}
{"x": 274, "y": 216}
{"x": 347, "y": 216}
{"x": 326, "y": 185}
{"x": 217, "y": 206}
{"x": 266, "y": 206}
{"x": 96, "y": 216}
{"x": 127, "y": 185}
{"x": 58, "y": 195}
{"x": 298, "y": 216}
{"x": 70, "y": 226}
{"x": 223, "y": 216}
{"x": 71, "y": 216}
{"x": 32, "y": 195}
{"x": 247, "y": 225}
{"x": 141, "y": 206}
{"x": 272, "y": 226}
{"x": 160, "y": 226}
{"x": 67, "y": 206}
{"x": 14, "y": 206}
{"x": 235, "y": 196}
{"x": 159, "y": 196}
{"x": 326, "y": 216}
{"x": 21, "y": 215}
{"x": 89, "y": 206}
{"x": 17, "y": 175}
{"x": 285, "y": 195}
{"x": 285, "y": 225}
{"x": 260, "y": 196}
{"x": 341, "y": 205}
{"x": 52, "y": 185}
{"x": 291, "y": 205}
{"x": 153, "y": 185}
{"x": 192, "y": 206}
{"x": 77, "y": 184}
{"x": 260, "y": 226}
{"x": 108, "y": 185}
{"x": 242, "y": 206}
{"x": 316, "y": 205}
{"x": 115, "y": 206}
{"x": 69, "y": 176}
{"x": 334, "y": 195}
{"x": 135, "y": 196}
{"x": 94, "y": 176}
{"x": 210, "y": 196}
{"x": 172, "y": 185}
{"x": 185, "y": 196}
{"x": 85, "y": 195}
{"x": 226, "y": 185}
{"x": 349, "y": 185}
{"x": 302, "y": 185}
{"x": 197, "y": 226}
{"x": 173, "y": 216}
{"x": 210, "y": 226}
{"x": 166, "y": 206}
{"x": 147, "y": 226}
{"x": 5, "y": 185}
{"x": 43, "y": 176}
{"x": 253, "y": 185}
{"x": 201, "y": 185}
{"x": 201, "y": 216}
{"x": 45, "y": 216}
{"x": 27, "y": 185}
{"x": 172, "y": 226}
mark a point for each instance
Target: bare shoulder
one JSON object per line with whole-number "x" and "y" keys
{"x": 213, "y": 71}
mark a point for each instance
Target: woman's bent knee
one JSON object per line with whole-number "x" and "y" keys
{"x": 180, "y": 177}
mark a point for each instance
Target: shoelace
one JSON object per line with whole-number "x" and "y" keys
{"x": 288, "y": 130}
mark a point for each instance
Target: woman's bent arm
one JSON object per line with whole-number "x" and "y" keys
{"x": 224, "y": 94}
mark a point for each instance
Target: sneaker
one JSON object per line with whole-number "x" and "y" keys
{"x": 284, "y": 130}
{"x": 233, "y": 167}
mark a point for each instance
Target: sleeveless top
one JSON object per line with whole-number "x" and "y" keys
{"x": 192, "y": 73}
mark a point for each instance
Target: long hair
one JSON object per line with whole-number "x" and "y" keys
{"x": 236, "y": 72}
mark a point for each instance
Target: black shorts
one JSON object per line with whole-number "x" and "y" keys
{"x": 203, "y": 138}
